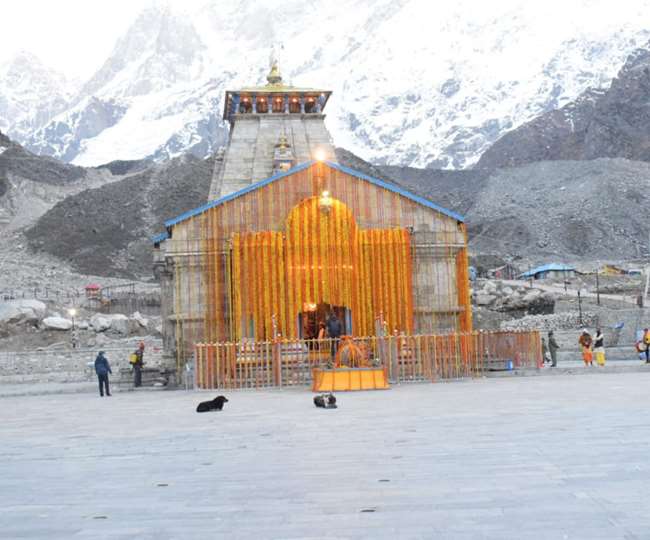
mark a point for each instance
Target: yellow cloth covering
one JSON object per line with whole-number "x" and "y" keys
{"x": 600, "y": 358}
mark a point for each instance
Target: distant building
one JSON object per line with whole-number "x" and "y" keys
{"x": 611, "y": 270}
{"x": 93, "y": 291}
{"x": 550, "y": 271}
{"x": 507, "y": 271}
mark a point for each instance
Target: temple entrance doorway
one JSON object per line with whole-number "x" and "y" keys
{"x": 313, "y": 314}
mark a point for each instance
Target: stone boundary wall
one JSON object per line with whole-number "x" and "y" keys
{"x": 66, "y": 366}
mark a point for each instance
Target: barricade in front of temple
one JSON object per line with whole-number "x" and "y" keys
{"x": 419, "y": 358}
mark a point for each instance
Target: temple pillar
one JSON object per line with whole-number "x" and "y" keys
{"x": 302, "y": 104}
{"x": 254, "y": 100}
{"x": 285, "y": 107}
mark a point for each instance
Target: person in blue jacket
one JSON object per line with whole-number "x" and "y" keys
{"x": 102, "y": 368}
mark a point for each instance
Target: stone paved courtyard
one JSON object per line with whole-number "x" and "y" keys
{"x": 561, "y": 457}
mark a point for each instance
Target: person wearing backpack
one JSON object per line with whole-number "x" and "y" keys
{"x": 646, "y": 342}
{"x": 137, "y": 362}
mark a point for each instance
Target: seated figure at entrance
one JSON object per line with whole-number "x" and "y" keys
{"x": 350, "y": 354}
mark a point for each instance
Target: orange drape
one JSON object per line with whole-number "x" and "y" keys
{"x": 322, "y": 258}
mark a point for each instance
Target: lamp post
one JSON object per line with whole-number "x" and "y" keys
{"x": 579, "y": 308}
{"x": 73, "y": 336}
{"x": 72, "y": 312}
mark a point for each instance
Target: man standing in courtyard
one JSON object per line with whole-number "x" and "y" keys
{"x": 552, "y": 348}
{"x": 102, "y": 368}
{"x": 334, "y": 331}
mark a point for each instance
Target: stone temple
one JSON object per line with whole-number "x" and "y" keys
{"x": 272, "y": 128}
{"x": 289, "y": 236}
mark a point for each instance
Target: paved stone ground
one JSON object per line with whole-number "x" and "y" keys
{"x": 561, "y": 457}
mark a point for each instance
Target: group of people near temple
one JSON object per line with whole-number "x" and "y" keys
{"x": 103, "y": 369}
{"x": 593, "y": 346}
{"x": 589, "y": 347}
{"x": 332, "y": 329}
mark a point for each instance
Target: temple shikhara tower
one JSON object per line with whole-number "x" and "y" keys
{"x": 290, "y": 236}
{"x": 272, "y": 128}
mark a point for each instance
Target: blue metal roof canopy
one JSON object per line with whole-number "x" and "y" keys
{"x": 550, "y": 267}
{"x": 381, "y": 183}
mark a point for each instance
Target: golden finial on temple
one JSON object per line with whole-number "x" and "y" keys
{"x": 274, "y": 78}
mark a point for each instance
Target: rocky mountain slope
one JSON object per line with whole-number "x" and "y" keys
{"x": 107, "y": 230}
{"x": 88, "y": 220}
{"x": 563, "y": 210}
{"x": 415, "y": 82}
{"x": 601, "y": 123}
{"x": 553, "y": 210}
{"x": 31, "y": 184}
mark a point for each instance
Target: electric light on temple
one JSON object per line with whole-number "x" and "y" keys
{"x": 325, "y": 202}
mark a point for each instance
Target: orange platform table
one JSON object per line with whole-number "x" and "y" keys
{"x": 344, "y": 379}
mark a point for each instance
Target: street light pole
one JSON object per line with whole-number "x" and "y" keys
{"x": 579, "y": 308}
{"x": 73, "y": 337}
{"x": 597, "y": 285}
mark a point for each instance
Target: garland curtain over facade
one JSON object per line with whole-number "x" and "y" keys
{"x": 248, "y": 265}
{"x": 322, "y": 258}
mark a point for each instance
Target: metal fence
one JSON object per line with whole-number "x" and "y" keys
{"x": 420, "y": 358}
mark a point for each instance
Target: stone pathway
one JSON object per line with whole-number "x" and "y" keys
{"x": 559, "y": 457}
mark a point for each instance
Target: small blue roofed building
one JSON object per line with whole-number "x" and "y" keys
{"x": 550, "y": 271}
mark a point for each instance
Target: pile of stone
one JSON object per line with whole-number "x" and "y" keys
{"x": 22, "y": 312}
{"x": 497, "y": 296}
{"x": 569, "y": 320}
{"x": 18, "y": 315}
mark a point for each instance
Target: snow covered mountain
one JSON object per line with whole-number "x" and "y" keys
{"x": 415, "y": 82}
{"x": 30, "y": 95}
{"x": 613, "y": 123}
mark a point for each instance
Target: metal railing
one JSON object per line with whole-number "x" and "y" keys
{"x": 418, "y": 358}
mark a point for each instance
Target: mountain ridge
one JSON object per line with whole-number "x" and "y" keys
{"x": 478, "y": 72}
{"x": 614, "y": 122}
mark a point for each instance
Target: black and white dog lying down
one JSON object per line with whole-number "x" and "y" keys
{"x": 213, "y": 405}
{"x": 325, "y": 401}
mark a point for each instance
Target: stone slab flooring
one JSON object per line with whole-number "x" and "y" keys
{"x": 561, "y": 457}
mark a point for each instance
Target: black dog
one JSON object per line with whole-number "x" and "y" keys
{"x": 214, "y": 405}
{"x": 325, "y": 401}
{"x": 331, "y": 401}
